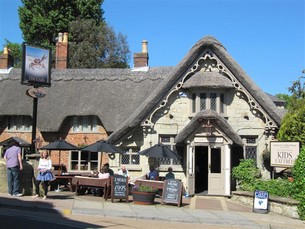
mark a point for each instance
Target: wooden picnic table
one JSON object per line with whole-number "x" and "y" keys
{"x": 65, "y": 178}
{"x": 91, "y": 182}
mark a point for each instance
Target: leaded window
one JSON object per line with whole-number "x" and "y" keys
{"x": 208, "y": 100}
{"x": 213, "y": 101}
{"x": 250, "y": 147}
{"x": 168, "y": 140}
{"x": 19, "y": 123}
{"x": 84, "y": 124}
{"x": 131, "y": 157}
{"x": 203, "y": 101}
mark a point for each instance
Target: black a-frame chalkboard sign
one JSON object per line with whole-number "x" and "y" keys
{"x": 172, "y": 192}
{"x": 119, "y": 187}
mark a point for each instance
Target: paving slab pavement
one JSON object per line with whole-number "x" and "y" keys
{"x": 201, "y": 211}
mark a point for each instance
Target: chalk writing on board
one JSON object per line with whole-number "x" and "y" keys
{"x": 172, "y": 192}
{"x": 119, "y": 186}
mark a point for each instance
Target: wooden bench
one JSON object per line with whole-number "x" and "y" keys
{"x": 89, "y": 182}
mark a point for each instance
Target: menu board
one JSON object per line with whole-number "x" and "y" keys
{"x": 172, "y": 192}
{"x": 119, "y": 187}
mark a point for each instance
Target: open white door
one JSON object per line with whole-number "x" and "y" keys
{"x": 216, "y": 176}
{"x": 191, "y": 170}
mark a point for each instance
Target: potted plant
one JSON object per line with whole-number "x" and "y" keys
{"x": 143, "y": 194}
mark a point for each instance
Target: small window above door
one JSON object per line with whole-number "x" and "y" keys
{"x": 208, "y": 100}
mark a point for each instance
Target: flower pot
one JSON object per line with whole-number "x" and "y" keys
{"x": 145, "y": 198}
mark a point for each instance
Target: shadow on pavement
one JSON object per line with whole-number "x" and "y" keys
{"x": 18, "y": 213}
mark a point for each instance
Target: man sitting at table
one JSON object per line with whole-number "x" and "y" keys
{"x": 124, "y": 172}
{"x": 152, "y": 174}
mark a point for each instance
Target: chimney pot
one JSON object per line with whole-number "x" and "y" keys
{"x": 6, "y": 59}
{"x": 59, "y": 37}
{"x": 65, "y": 40}
{"x": 62, "y": 51}
{"x": 5, "y": 50}
{"x": 140, "y": 60}
{"x": 144, "y": 46}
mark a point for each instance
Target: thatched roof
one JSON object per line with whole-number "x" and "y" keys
{"x": 110, "y": 94}
{"x": 216, "y": 120}
{"x": 178, "y": 72}
{"x": 121, "y": 98}
{"x": 208, "y": 80}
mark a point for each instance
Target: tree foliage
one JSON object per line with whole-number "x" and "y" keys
{"x": 42, "y": 20}
{"x": 298, "y": 172}
{"x": 96, "y": 46}
{"x": 293, "y": 124}
{"x": 286, "y": 98}
{"x": 92, "y": 43}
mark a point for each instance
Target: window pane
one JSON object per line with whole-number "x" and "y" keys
{"x": 75, "y": 124}
{"x": 164, "y": 161}
{"x": 74, "y": 155}
{"x": 74, "y": 165}
{"x": 222, "y": 100}
{"x": 86, "y": 125}
{"x": 213, "y": 101}
{"x": 94, "y": 156}
{"x": 94, "y": 166}
{"x": 135, "y": 159}
{"x": 165, "y": 139}
{"x": 125, "y": 159}
{"x": 251, "y": 152}
{"x": 215, "y": 161}
{"x": 251, "y": 140}
{"x": 176, "y": 162}
{"x": 203, "y": 98}
{"x": 94, "y": 124}
{"x": 85, "y": 156}
{"x": 193, "y": 103}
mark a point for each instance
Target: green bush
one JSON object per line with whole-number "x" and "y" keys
{"x": 275, "y": 187}
{"x": 298, "y": 172}
{"x": 246, "y": 174}
{"x": 249, "y": 180}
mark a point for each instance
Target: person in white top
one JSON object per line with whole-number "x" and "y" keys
{"x": 124, "y": 172}
{"x": 44, "y": 175}
{"x": 104, "y": 174}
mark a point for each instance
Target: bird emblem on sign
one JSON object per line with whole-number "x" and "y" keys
{"x": 38, "y": 63}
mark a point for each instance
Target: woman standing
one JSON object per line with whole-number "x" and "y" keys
{"x": 44, "y": 175}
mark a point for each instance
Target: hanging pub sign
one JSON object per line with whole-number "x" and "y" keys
{"x": 119, "y": 187}
{"x": 260, "y": 201}
{"x": 172, "y": 192}
{"x": 283, "y": 154}
{"x": 36, "y": 66}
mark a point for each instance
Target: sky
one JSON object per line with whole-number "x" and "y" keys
{"x": 265, "y": 37}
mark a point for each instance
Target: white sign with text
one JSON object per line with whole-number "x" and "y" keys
{"x": 283, "y": 154}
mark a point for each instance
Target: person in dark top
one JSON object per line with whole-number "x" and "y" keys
{"x": 108, "y": 169}
{"x": 170, "y": 174}
{"x": 152, "y": 174}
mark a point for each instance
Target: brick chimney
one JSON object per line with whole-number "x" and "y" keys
{"x": 61, "y": 61}
{"x": 6, "y": 60}
{"x": 141, "y": 59}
